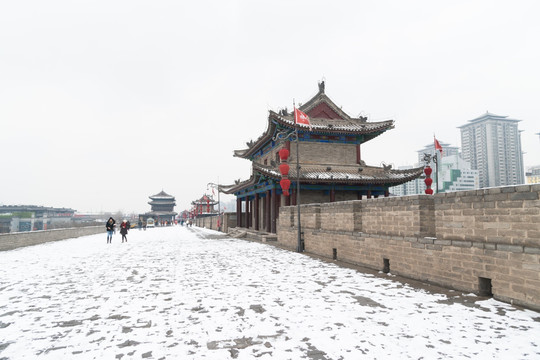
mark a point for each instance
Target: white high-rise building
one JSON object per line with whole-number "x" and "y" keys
{"x": 492, "y": 145}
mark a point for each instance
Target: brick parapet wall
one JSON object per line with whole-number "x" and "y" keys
{"x": 401, "y": 216}
{"x": 508, "y": 215}
{"x": 210, "y": 222}
{"x": 22, "y": 239}
{"x": 449, "y": 239}
{"x": 341, "y": 216}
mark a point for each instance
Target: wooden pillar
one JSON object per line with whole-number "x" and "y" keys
{"x": 267, "y": 211}
{"x": 263, "y": 210}
{"x": 288, "y": 200}
{"x": 273, "y": 212}
{"x": 332, "y": 195}
{"x": 256, "y": 211}
{"x": 247, "y": 212}
{"x": 358, "y": 158}
{"x": 293, "y": 196}
{"x": 369, "y": 194}
{"x": 238, "y": 212}
{"x": 359, "y": 194}
{"x": 250, "y": 216}
{"x": 386, "y": 193}
{"x": 278, "y": 204}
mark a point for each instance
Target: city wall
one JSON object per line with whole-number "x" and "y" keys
{"x": 211, "y": 222}
{"x": 483, "y": 241}
{"x": 28, "y": 238}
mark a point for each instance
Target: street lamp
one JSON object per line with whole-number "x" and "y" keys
{"x": 284, "y": 135}
{"x": 216, "y": 186}
{"x": 427, "y": 159}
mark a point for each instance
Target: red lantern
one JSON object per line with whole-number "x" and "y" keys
{"x": 284, "y": 169}
{"x": 283, "y": 154}
{"x": 429, "y": 191}
{"x": 428, "y": 170}
{"x": 285, "y": 184}
{"x": 286, "y": 192}
{"x": 428, "y": 181}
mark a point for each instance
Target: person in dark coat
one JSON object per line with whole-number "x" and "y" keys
{"x": 124, "y": 230}
{"x": 110, "y": 229}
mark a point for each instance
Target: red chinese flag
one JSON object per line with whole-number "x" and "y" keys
{"x": 437, "y": 145}
{"x": 301, "y": 118}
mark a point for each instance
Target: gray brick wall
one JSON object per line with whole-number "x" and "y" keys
{"x": 22, "y": 239}
{"x": 449, "y": 239}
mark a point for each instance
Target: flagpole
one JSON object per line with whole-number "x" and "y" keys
{"x": 436, "y": 159}
{"x": 294, "y": 136}
{"x": 299, "y": 247}
{"x": 437, "y": 172}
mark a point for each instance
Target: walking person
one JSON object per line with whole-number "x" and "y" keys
{"x": 124, "y": 230}
{"x": 110, "y": 229}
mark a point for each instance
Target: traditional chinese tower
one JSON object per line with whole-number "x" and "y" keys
{"x": 162, "y": 205}
{"x": 204, "y": 206}
{"x": 330, "y": 157}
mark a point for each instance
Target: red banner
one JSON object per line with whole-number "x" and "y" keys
{"x": 301, "y": 118}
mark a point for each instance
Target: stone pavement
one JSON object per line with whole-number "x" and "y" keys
{"x": 190, "y": 293}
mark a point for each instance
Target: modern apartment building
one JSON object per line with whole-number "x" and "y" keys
{"x": 455, "y": 174}
{"x": 492, "y": 145}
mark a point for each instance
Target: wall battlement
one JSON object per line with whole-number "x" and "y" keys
{"x": 484, "y": 241}
{"x": 13, "y": 241}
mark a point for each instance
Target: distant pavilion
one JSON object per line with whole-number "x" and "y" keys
{"x": 162, "y": 205}
{"x": 204, "y": 206}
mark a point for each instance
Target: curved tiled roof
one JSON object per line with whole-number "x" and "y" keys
{"x": 322, "y": 174}
{"x": 162, "y": 202}
{"x": 319, "y": 126}
{"x": 337, "y": 123}
{"x": 161, "y": 195}
{"x": 205, "y": 200}
{"x": 335, "y": 126}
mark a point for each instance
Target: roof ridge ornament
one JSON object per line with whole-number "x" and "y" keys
{"x": 321, "y": 87}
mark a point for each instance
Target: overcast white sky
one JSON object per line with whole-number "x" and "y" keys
{"x": 104, "y": 103}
